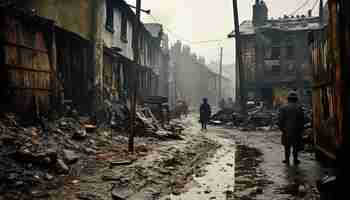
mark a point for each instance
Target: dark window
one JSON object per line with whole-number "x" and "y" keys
{"x": 290, "y": 52}
{"x": 124, "y": 28}
{"x": 109, "y": 16}
{"x": 275, "y": 53}
{"x": 276, "y": 69}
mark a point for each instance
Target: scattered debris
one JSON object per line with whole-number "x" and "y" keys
{"x": 70, "y": 156}
{"x": 257, "y": 118}
{"x": 34, "y": 155}
{"x": 62, "y": 167}
{"x": 118, "y": 163}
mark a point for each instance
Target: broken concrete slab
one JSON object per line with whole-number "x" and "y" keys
{"x": 70, "y": 157}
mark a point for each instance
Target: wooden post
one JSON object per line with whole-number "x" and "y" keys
{"x": 239, "y": 63}
{"x": 220, "y": 76}
{"x": 97, "y": 57}
{"x": 133, "y": 95}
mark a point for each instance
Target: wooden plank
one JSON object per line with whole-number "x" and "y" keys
{"x": 29, "y": 88}
{"x": 323, "y": 84}
{"x": 7, "y": 43}
{"x": 18, "y": 67}
{"x": 327, "y": 153}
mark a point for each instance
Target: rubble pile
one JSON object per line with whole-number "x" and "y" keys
{"x": 257, "y": 117}
{"x": 47, "y": 153}
{"x": 148, "y": 125}
{"x": 36, "y": 155}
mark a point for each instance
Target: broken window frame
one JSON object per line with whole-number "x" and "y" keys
{"x": 109, "y": 16}
{"x": 275, "y": 53}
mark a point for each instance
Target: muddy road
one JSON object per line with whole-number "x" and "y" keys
{"x": 223, "y": 164}
{"x": 248, "y": 166}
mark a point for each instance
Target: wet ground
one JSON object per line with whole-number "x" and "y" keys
{"x": 215, "y": 178}
{"x": 223, "y": 164}
{"x": 249, "y": 166}
{"x": 280, "y": 181}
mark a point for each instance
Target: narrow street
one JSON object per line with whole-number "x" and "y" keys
{"x": 223, "y": 164}
{"x": 111, "y": 101}
{"x": 248, "y": 166}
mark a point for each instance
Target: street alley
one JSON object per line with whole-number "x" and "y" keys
{"x": 248, "y": 165}
{"x": 174, "y": 100}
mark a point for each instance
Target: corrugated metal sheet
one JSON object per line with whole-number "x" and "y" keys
{"x": 27, "y": 65}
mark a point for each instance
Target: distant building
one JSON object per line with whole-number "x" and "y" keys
{"x": 191, "y": 79}
{"x": 275, "y": 54}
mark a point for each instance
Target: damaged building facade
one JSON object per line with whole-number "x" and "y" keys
{"x": 77, "y": 52}
{"x": 275, "y": 55}
{"x": 191, "y": 79}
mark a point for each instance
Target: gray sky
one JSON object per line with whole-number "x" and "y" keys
{"x": 202, "y": 20}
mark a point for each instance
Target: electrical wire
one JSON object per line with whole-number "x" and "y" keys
{"x": 299, "y": 8}
{"x": 178, "y": 36}
{"x": 314, "y": 6}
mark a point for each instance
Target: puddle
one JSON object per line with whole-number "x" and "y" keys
{"x": 216, "y": 181}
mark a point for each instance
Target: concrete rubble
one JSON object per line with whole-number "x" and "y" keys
{"x": 257, "y": 117}
{"x": 38, "y": 157}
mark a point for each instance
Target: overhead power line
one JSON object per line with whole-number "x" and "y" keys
{"x": 316, "y": 3}
{"x": 178, "y": 36}
{"x": 301, "y": 7}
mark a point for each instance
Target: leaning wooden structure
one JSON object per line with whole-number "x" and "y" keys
{"x": 330, "y": 49}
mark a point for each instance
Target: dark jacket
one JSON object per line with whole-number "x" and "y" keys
{"x": 291, "y": 122}
{"x": 205, "y": 112}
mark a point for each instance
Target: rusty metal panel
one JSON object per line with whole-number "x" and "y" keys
{"x": 27, "y": 64}
{"x": 324, "y": 95}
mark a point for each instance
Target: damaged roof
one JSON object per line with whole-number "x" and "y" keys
{"x": 287, "y": 24}
{"x": 246, "y": 28}
{"x": 294, "y": 24}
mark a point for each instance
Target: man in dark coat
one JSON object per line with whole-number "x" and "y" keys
{"x": 291, "y": 122}
{"x": 205, "y": 113}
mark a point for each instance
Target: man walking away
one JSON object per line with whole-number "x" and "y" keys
{"x": 291, "y": 122}
{"x": 205, "y": 113}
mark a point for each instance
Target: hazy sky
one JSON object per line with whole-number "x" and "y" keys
{"x": 202, "y": 20}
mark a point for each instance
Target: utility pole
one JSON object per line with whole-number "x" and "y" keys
{"x": 239, "y": 63}
{"x": 220, "y": 75}
{"x": 133, "y": 95}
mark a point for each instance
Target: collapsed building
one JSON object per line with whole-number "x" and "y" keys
{"x": 275, "y": 55}
{"x": 77, "y": 52}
